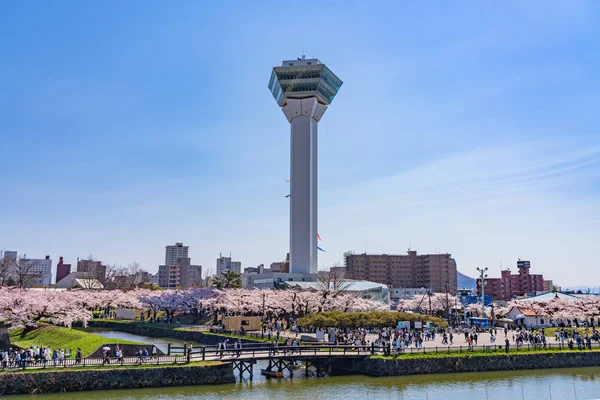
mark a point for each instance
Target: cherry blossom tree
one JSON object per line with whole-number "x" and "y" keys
{"x": 28, "y": 308}
{"x": 437, "y": 304}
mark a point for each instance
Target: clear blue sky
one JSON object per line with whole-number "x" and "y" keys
{"x": 470, "y": 128}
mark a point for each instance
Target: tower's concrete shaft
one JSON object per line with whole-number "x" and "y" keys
{"x": 303, "y": 115}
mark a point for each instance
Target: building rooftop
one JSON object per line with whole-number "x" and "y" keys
{"x": 353, "y": 286}
{"x": 551, "y": 296}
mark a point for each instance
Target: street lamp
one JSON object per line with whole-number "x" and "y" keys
{"x": 482, "y": 276}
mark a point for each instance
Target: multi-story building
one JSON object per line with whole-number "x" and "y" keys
{"x": 172, "y": 253}
{"x": 436, "y": 272}
{"x": 512, "y": 285}
{"x": 225, "y": 264}
{"x": 91, "y": 269}
{"x": 10, "y": 255}
{"x": 182, "y": 274}
{"x": 62, "y": 269}
{"x": 259, "y": 269}
{"x": 38, "y": 270}
{"x": 178, "y": 270}
{"x": 281, "y": 266}
{"x": 548, "y": 285}
{"x": 27, "y": 271}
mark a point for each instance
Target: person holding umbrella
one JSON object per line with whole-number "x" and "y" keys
{"x": 105, "y": 356}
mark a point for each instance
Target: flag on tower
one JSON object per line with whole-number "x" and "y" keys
{"x": 320, "y": 249}
{"x": 318, "y": 236}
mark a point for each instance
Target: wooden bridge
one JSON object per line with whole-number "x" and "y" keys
{"x": 317, "y": 357}
{"x": 281, "y": 358}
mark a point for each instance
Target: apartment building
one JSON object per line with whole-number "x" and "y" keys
{"x": 173, "y": 252}
{"x": 434, "y": 271}
{"x": 226, "y": 264}
{"x": 513, "y": 285}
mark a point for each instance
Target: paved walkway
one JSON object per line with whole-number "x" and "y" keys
{"x": 484, "y": 339}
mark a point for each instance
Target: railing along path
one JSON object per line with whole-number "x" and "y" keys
{"x": 187, "y": 354}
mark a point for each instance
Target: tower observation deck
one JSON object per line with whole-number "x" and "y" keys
{"x": 303, "y": 88}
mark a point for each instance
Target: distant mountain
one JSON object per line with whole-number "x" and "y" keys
{"x": 583, "y": 289}
{"x": 466, "y": 281}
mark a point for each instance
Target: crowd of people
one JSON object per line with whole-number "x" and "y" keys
{"x": 35, "y": 356}
{"x": 143, "y": 355}
{"x": 44, "y": 356}
{"x": 226, "y": 347}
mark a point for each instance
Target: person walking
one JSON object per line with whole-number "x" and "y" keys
{"x": 78, "y": 356}
{"x": 507, "y": 344}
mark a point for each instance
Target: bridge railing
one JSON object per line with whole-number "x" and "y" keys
{"x": 91, "y": 361}
{"x": 265, "y": 351}
{"x": 212, "y": 352}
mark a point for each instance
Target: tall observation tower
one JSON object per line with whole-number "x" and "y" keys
{"x": 303, "y": 89}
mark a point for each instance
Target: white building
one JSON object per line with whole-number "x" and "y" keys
{"x": 406, "y": 293}
{"x": 225, "y": 264}
{"x": 78, "y": 280}
{"x": 366, "y": 289}
{"x": 172, "y": 253}
{"x": 268, "y": 279}
{"x": 37, "y": 270}
{"x": 40, "y": 270}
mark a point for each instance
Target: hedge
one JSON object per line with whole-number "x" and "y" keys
{"x": 373, "y": 319}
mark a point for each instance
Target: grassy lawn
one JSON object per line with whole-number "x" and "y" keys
{"x": 582, "y": 331}
{"x": 113, "y": 366}
{"x": 477, "y": 353}
{"x": 57, "y": 337}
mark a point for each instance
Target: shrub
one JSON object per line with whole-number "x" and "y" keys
{"x": 373, "y": 319}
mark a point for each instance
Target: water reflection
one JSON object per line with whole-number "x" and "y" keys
{"x": 161, "y": 343}
{"x": 510, "y": 385}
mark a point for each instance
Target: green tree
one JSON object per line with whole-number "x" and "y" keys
{"x": 228, "y": 280}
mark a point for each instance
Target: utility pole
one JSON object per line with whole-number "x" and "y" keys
{"x": 482, "y": 276}
{"x": 429, "y": 295}
{"x": 447, "y": 306}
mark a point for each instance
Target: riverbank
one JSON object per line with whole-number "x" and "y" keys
{"x": 126, "y": 377}
{"x": 57, "y": 337}
{"x": 173, "y": 331}
{"x": 454, "y": 363}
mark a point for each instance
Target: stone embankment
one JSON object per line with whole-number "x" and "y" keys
{"x": 72, "y": 380}
{"x": 129, "y": 350}
{"x": 464, "y": 363}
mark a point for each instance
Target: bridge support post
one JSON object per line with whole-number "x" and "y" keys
{"x": 244, "y": 366}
